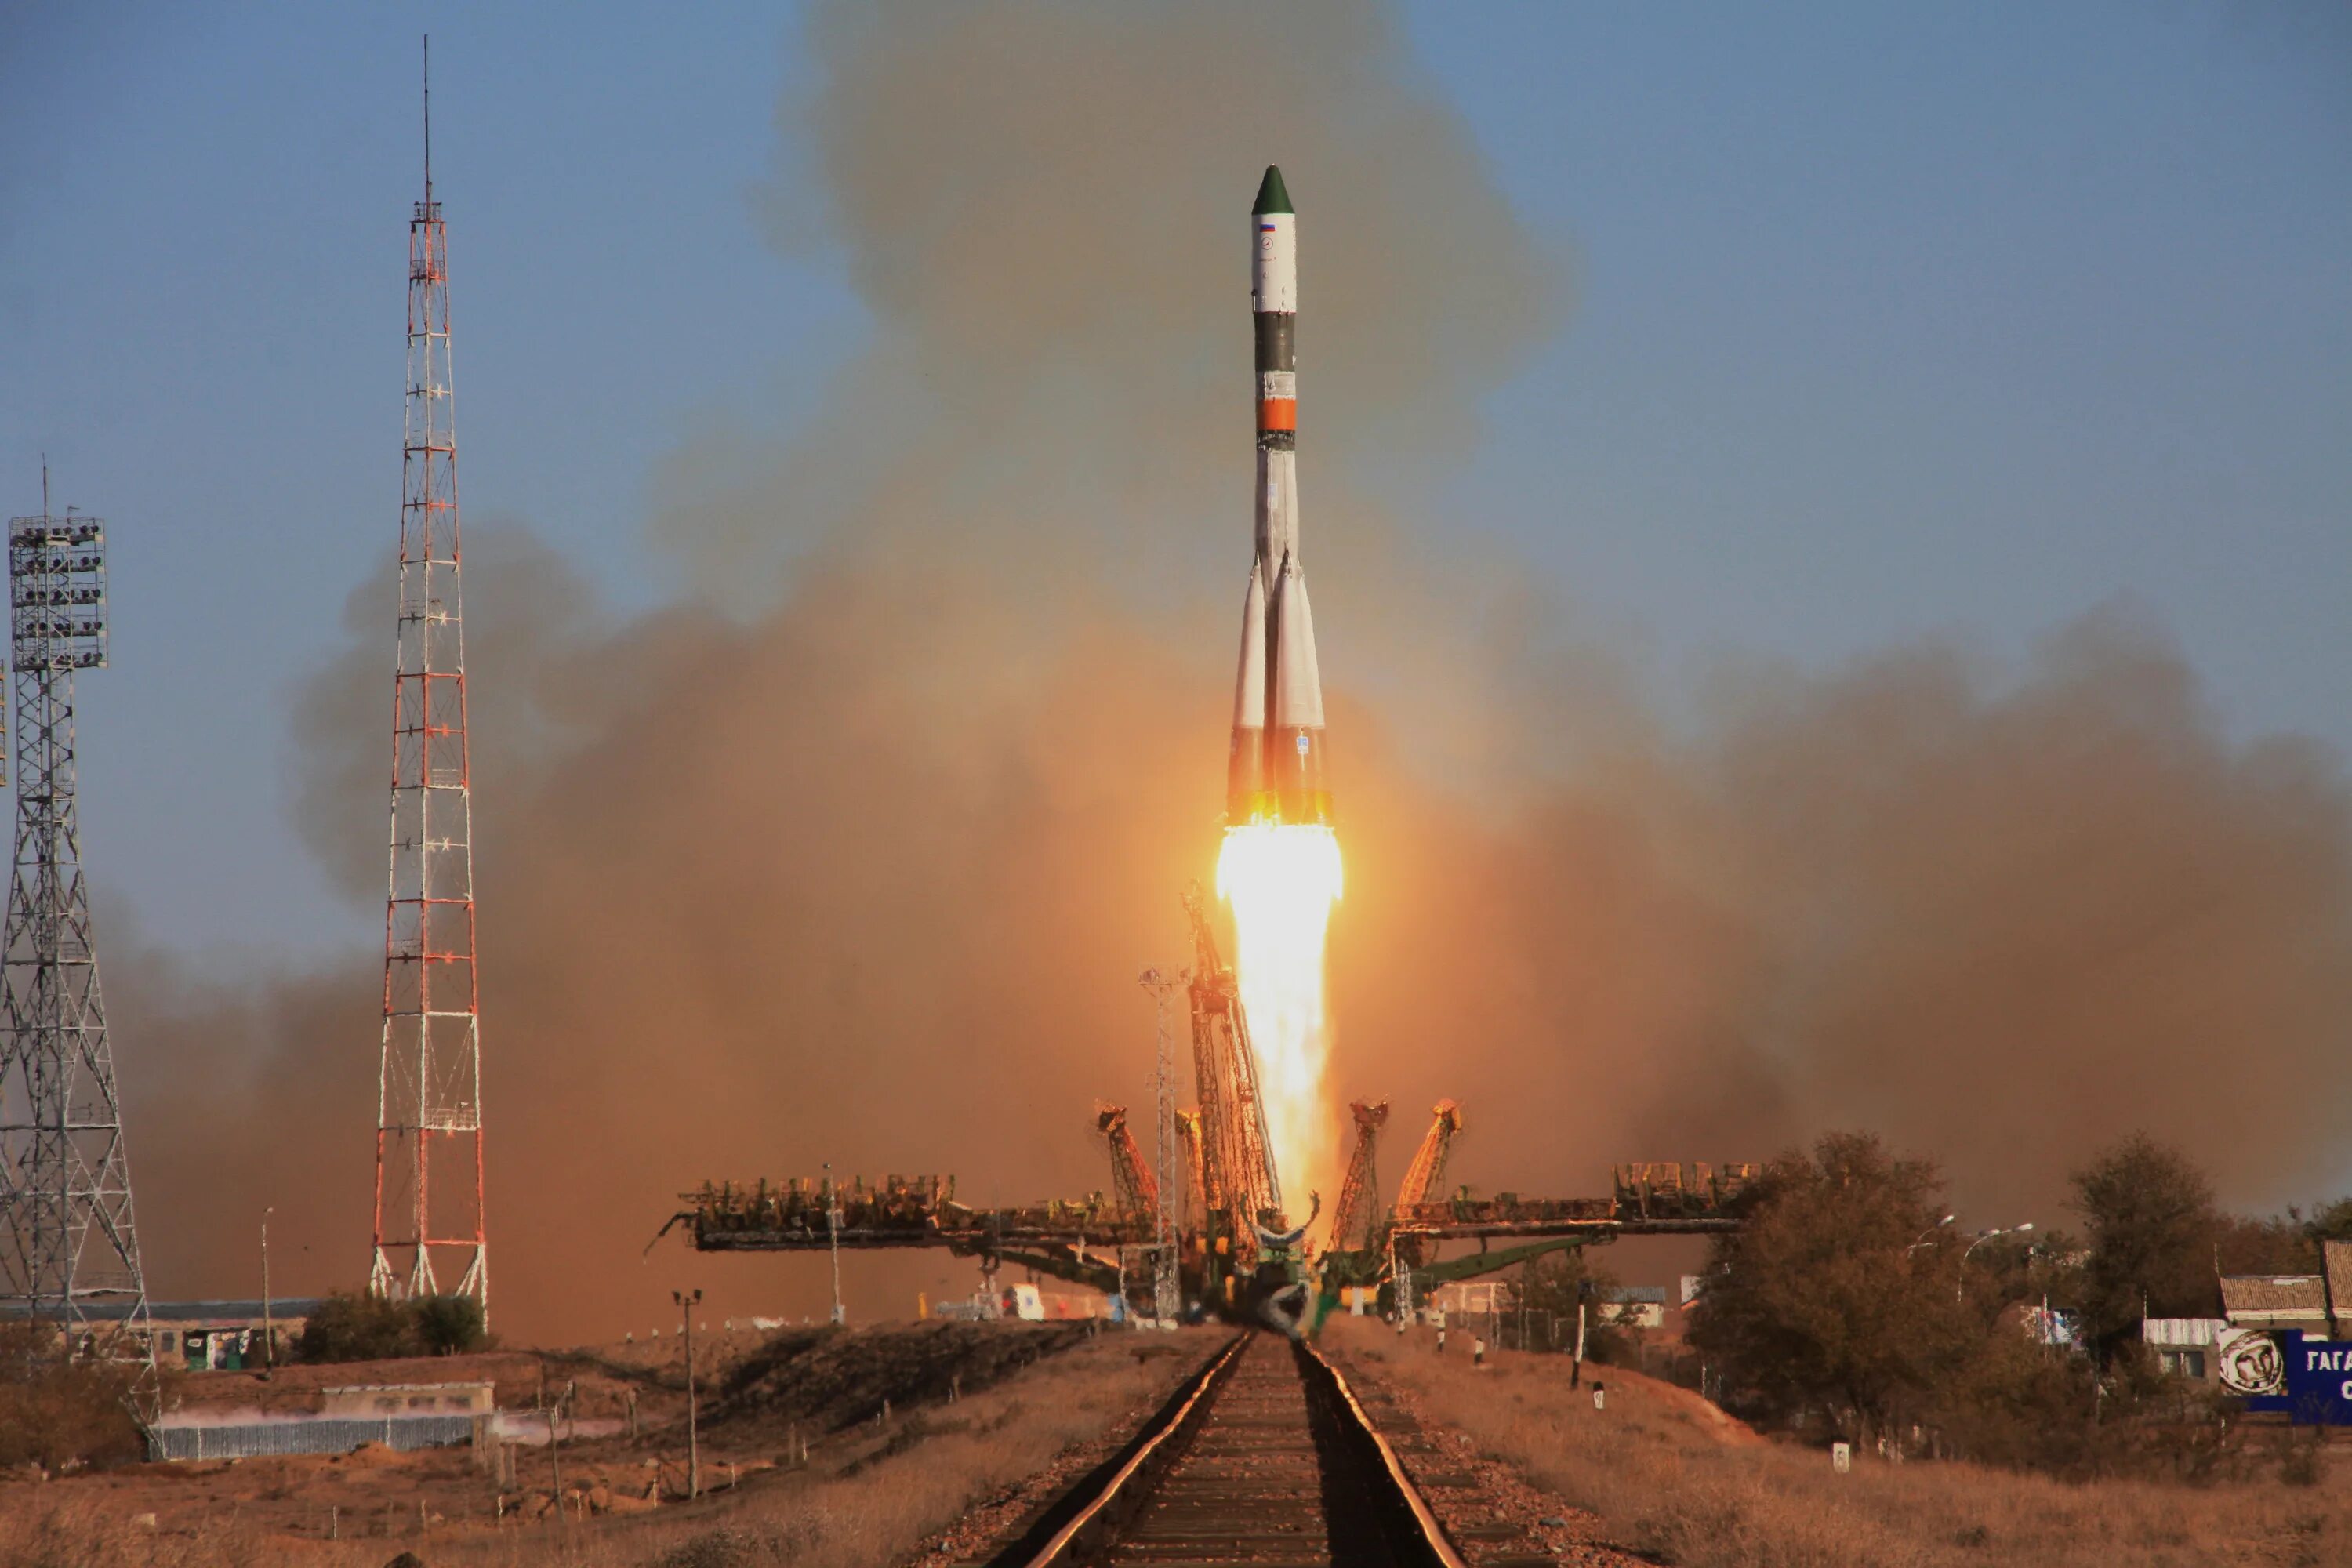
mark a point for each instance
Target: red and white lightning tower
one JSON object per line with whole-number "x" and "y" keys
{"x": 429, "y": 1141}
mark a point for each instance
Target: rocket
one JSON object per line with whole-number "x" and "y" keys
{"x": 1276, "y": 771}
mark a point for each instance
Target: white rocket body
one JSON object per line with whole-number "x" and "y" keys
{"x": 1276, "y": 769}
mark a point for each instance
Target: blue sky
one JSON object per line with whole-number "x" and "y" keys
{"x": 1888, "y": 322}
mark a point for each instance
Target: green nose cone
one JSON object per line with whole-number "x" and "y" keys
{"x": 1273, "y": 195}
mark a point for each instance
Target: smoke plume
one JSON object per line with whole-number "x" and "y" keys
{"x": 855, "y": 852}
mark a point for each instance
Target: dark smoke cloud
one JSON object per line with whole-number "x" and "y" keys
{"x": 1999, "y": 919}
{"x": 856, "y": 853}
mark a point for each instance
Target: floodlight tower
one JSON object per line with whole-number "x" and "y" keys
{"x": 68, "y": 1248}
{"x": 1166, "y": 1295}
{"x": 429, "y": 1141}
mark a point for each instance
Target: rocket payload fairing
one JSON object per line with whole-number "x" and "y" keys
{"x": 1276, "y": 772}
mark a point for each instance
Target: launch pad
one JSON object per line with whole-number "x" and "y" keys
{"x": 1221, "y": 1228}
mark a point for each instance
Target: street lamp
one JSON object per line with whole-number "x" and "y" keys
{"x": 1930, "y": 1231}
{"x": 833, "y": 1229}
{"x": 268, "y": 1335}
{"x": 686, "y": 1305}
{"x": 1959, "y": 1287}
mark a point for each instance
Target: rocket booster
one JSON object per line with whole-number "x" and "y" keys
{"x": 1275, "y": 771}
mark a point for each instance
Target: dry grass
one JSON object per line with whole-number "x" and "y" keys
{"x": 1677, "y": 1481}
{"x": 868, "y": 1496}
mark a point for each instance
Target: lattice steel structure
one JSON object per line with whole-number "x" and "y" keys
{"x": 1133, "y": 1185}
{"x": 1238, "y": 1145}
{"x": 67, "y": 1241}
{"x": 428, "y": 1174}
{"x": 1167, "y": 1292}
{"x": 1355, "y": 1221}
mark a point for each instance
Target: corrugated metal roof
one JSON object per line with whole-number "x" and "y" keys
{"x": 2273, "y": 1296}
{"x": 185, "y": 1311}
{"x": 2173, "y": 1332}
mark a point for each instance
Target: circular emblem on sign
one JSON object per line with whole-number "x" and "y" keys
{"x": 2250, "y": 1361}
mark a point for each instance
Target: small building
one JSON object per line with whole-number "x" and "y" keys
{"x": 374, "y": 1401}
{"x": 227, "y": 1336}
{"x": 2273, "y": 1301}
{"x": 1635, "y": 1307}
{"x": 2184, "y": 1347}
{"x": 203, "y": 1336}
{"x": 2335, "y": 1268}
{"x": 1462, "y": 1299}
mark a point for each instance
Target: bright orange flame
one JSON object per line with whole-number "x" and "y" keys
{"x": 1282, "y": 882}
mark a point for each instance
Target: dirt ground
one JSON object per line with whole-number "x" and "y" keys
{"x": 819, "y": 1447}
{"x": 923, "y": 1443}
{"x": 1674, "y": 1479}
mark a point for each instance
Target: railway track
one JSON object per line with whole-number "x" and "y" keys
{"x": 1264, "y": 1458}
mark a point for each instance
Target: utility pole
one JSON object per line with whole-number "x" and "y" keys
{"x": 686, "y": 1304}
{"x": 833, "y": 1229}
{"x": 554, "y": 1439}
{"x": 1399, "y": 1282}
{"x": 268, "y": 1333}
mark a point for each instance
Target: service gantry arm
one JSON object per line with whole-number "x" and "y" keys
{"x": 1187, "y": 1129}
{"x": 1428, "y": 1166}
{"x": 1359, "y": 1192}
{"x": 1233, "y": 1111}
{"x": 1132, "y": 1185}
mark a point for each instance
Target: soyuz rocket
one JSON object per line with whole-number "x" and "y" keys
{"x": 1276, "y": 772}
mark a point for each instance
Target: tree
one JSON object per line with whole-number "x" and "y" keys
{"x": 2329, "y": 1221}
{"x": 2150, "y": 1216}
{"x": 1837, "y": 1295}
{"x": 450, "y": 1325}
{"x": 2289, "y": 1243}
{"x": 2269, "y": 1244}
{"x": 2018, "y": 1404}
{"x": 1556, "y": 1282}
{"x": 2044, "y": 1265}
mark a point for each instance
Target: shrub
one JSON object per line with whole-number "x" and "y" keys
{"x": 450, "y": 1325}
{"x": 354, "y": 1327}
{"x": 54, "y": 1413}
{"x": 351, "y": 1327}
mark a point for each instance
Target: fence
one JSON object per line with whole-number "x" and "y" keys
{"x": 250, "y": 1439}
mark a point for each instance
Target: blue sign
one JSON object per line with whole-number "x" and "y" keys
{"x": 2318, "y": 1382}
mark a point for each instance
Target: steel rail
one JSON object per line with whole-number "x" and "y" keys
{"x": 1172, "y": 1427}
{"x": 1128, "y": 1494}
{"x": 1434, "y": 1533}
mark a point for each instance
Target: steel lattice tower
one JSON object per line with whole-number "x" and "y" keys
{"x": 429, "y": 1098}
{"x": 1167, "y": 1300}
{"x": 70, "y": 1251}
